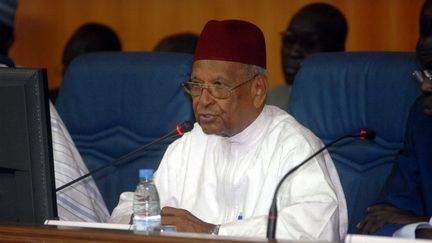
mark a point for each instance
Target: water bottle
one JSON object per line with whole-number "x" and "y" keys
{"x": 146, "y": 206}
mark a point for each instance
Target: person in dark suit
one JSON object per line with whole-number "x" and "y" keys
{"x": 409, "y": 195}
{"x": 7, "y": 35}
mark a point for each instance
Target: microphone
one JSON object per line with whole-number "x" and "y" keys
{"x": 178, "y": 131}
{"x": 367, "y": 135}
{"x": 272, "y": 216}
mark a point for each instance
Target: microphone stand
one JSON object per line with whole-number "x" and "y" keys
{"x": 272, "y": 216}
{"x": 180, "y": 129}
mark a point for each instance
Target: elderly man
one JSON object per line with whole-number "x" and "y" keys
{"x": 221, "y": 176}
{"x": 317, "y": 27}
{"x": 409, "y": 198}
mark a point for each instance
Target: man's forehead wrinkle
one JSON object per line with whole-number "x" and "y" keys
{"x": 308, "y": 20}
{"x": 304, "y": 26}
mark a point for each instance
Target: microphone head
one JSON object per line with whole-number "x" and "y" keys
{"x": 184, "y": 127}
{"x": 367, "y": 134}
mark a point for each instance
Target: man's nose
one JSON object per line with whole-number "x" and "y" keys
{"x": 205, "y": 98}
{"x": 293, "y": 49}
{"x": 296, "y": 49}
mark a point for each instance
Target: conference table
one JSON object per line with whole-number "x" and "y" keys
{"x": 49, "y": 233}
{"x": 67, "y": 233}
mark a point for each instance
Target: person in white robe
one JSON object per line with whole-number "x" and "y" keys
{"x": 81, "y": 201}
{"x": 221, "y": 176}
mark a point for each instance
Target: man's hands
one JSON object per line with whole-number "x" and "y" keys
{"x": 184, "y": 221}
{"x": 381, "y": 214}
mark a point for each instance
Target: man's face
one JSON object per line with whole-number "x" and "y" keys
{"x": 224, "y": 117}
{"x": 424, "y": 59}
{"x": 426, "y": 88}
{"x": 301, "y": 40}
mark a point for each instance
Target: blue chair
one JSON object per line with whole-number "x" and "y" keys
{"x": 113, "y": 103}
{"x": 335, "y": 94}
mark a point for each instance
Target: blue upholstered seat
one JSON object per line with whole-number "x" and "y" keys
{"x": 341, "y": 93}
{"x": 112, "y": 103}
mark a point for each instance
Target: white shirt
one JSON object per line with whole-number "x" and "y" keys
{"x": 221, "y": 180}
{"x": 81, "y": 201}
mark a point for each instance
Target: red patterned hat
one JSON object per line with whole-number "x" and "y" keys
{"x": 232, "y": 40}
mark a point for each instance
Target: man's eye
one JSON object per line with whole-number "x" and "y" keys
{"x": 218, "y": 85}
{"x": 195, "y": 83}
{"x": 289, "y": 38}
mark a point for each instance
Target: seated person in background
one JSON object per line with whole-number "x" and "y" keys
{"x": 409, "y": 196}
{"x": 317, "y": 27}
{"x": 82, "y": 201}
{"x": 91, "y": 37}
{"x": 426, "y": 19}
{"x": 7, "y": 36}
{"x": 182, "y": 42}
{"x": 221, "y": 176}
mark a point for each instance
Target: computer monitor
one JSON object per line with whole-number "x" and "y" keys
{"x": 27, "y": 185}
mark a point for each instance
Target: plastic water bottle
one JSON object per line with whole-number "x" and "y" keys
{"x": 146, "y": 206}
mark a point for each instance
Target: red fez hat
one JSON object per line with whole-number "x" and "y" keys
{"x": 232, "y": 40}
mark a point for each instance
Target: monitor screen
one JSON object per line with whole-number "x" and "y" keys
{"x": 27, "y": 186}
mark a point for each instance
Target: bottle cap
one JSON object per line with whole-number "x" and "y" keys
{"x": 146, "y": 173}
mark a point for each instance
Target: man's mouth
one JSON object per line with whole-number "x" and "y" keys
{"x": 207, "y": 118}
{"x": 427, "y": 104}
{"x": 292, "y": 66}
{"x": 291, "y": 69}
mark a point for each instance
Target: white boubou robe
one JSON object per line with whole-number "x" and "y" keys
{"x": 231, "y": 181}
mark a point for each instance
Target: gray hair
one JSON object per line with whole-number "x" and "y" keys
{"x": 254, "y": 70}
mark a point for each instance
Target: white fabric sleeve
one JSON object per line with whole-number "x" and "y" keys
{"x": 165, "y": 177}
{"x": 408, "y": 231}
{"x": 81, "y": 201}
{"x": 308, "y": 215}
{"x": 123, "y": 211}
{"x": 288, "y": 224}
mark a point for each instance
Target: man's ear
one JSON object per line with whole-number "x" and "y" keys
{"x": 259, "y": 90}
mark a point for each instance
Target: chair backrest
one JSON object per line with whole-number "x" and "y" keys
{"x": 115, "y": 102}
{"x": 335, "y": 94}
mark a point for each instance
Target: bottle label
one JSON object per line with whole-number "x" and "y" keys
{"x": 147, "y": 223}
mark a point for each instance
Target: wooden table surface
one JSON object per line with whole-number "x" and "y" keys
{"x": 31, "y": 233}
